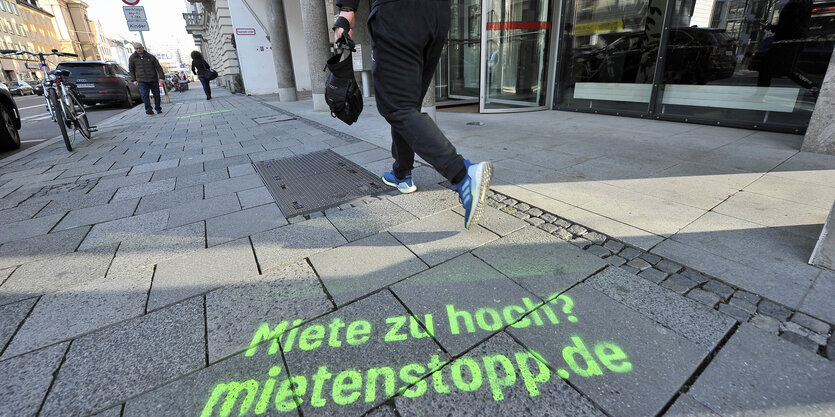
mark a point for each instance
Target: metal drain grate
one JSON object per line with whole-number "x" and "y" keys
{"x": 316, "y": 181}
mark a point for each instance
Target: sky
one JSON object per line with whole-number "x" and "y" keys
{"x": 165, "y": 19}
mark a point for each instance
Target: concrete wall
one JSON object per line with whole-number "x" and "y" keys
{"x": 254, "y": 51}
{"x": 820, "y": 136}
{"x": 295, "y": 30}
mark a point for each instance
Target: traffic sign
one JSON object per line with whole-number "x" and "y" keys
{"x": 131, "y": 2}
{"x": 138, "y": 25}
{"x": 134, "y": 13}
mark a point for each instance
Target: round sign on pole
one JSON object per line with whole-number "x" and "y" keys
{"x": 131, "y": 2}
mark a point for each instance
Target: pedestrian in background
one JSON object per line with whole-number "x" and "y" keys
{"x": 200, "y": 67}
{"x": 146, "y": 72}
{"x": 407, "y": 37}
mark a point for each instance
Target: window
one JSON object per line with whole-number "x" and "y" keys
{"x": 15, "y": 9}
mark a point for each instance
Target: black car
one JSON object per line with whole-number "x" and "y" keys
{"x": 694, "y": 56}
{"x": 20, "y": 88}
{"x": 9, "y": 115}
{"x": 102, "y": 82}
{"x": 38, "y": 88}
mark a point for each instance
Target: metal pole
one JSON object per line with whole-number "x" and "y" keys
{"x": 143, "y": 40}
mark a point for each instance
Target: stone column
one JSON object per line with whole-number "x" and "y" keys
{"x": 820, "y": 136}
{"x": 280, "y": 44}
{"x": 428, "y": 105}
{"x": 318, "y": 38}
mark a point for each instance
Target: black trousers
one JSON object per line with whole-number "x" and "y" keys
{"x": 407, "y": 37}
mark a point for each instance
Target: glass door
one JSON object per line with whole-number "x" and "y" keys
{"x": 457, "y": 77}
{"x": 514, "y": 55}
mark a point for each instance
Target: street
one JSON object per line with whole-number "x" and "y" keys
{"x": 37, "y": 126}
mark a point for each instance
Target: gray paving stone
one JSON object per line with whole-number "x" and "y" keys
{"x": 198, "y": 272}
{"x": 830, "y": 348}
{"x": 466, "y": 285}
{"x": 598, "y": 251}
{"x": 522, "y": 207}
{"x": 234, "y": 313}
{"x": 703, "y": 326}
{"x": 612, "y": 245}
{"x": 651, "y": 258}
{"x": 125, "y": 229}
{"x": 122, "y": 181}
{"x": 170, "y": 199}
{"x": 668, "y": 266}
{"x": 154, "y": 166}
{"x": 225, "y": 162}
{"x": 24, "y": 251}
{"x": 287, "y": 244}
{"x": 679, "y": 283}
{"x": 704, "y": 297}
{"x": 778, "y": 376}
{"x": 766, "y": 323}
{"x": 615, "y": 260}
{"x": 695, "y": 275}
{"x": 81, "y": 309}
{"x": 535, "y": 212}
{"x": 735, "y": 312}
{"x": 98, "y": 214}
{"x": 659, "y": 360}
{"x": 203, "y": 209}
{"x": 772, "y": 309}
{"x": 811, "y": 323}
{"x": 801, "y": 340}
{"x": 77, "y": 201}
{"x": 201, "y": 159}
{"x": 794, "y": 327}
{"x": 369, "y": 219}
{"x": 376, "y": 311}
{"x": 818, "y": 301}
{"x": 427, "y": 202}
{"x": 746, "y": 296}
{"x": 550, "y": 218}
{"x": 147, "y": 250}
{"x": 639, "y": 264}
{"x": 440, "y": 237}
{"x": 630, "y": 253}
{"x": 200, "y": 178}
{"x": 156, "y": 348}
{"x": 549, "y": 396}
{"x": 140, "y": 190}
{"x": 521, "y": 215}
{"x": 232, "y": 185}
{"x": 653, "y": 275}
{"x": 538, "y": 261}
{"x": 383, "y": 411}
{"x": 11, "y": 316}
{"x": 243, "y": 223}
{"x": 535, "y": 221}
{"x": 255, "y": 197}
{"x": 55, "y": 273}
{"x": 110, "y": 412}
{"x": 686, "y": 406}
{"x": 23, "y": 211}
{"x": 496, "y": 221}
{"x": 577, "y": 230}
{"x": 548, "y": 227}
{"x": 26, "y": 380}
{"x": 164, "y": 174}
{"x": 28, "y": 228}
{"x": 346, "y": 279}
{"x": 722, "y": 290}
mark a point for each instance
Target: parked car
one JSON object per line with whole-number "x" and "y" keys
{"x": 10, "y": 117}
{"x": 102, "y": 82}
{"x": 38, "y": 88}
{"x": 4, "y": 87}
{"x": 694, "y": 56}
{"x": 21, "y": 88}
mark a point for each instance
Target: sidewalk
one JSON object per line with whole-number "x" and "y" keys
{"x": 626, "y": 267}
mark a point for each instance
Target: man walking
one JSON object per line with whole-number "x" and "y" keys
{"x": 407, "y": 37}
{"x": 145, "y": 70}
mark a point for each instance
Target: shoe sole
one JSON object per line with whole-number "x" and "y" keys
{"x": 393, "y": 184}
{"x": 483, "y": 185}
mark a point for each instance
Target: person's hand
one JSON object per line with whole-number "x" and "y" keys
{"x": 337, "y": 33}
{"x": 136, "y": 83}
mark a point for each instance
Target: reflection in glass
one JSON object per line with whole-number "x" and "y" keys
{"x": 754, "y": 61}
{"x": 459, "y": 70}
{"x": 517, "y": 45}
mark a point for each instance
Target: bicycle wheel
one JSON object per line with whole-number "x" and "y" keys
{"x": 81, "y": 123}
{"x": 58, "y": 108}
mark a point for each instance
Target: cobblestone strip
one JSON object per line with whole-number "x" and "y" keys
{"x": 741, "y": 305}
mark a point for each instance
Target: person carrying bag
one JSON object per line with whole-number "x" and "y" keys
{"x": 342, "y": 93}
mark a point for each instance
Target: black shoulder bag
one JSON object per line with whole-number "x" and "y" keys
{"x": 342, "y": 93}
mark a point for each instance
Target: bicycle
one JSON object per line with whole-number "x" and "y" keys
{"x": 62, "y": 99}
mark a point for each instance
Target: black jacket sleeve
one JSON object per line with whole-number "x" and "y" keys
{"x": 354, "y": 4}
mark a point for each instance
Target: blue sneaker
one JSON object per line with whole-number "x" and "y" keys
{"x": 473, "y": 190}
{"x": 405, "y": 185}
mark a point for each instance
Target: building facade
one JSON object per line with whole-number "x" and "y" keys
{"x": 102, "y": 43}
{"x": 756, "y": 64}
{"x": 210, "y": 23}
{"x": 40, "y": 31}
{"x": 72, "y": 28}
